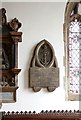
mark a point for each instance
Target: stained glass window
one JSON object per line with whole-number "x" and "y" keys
{"x": 75, "y": 57}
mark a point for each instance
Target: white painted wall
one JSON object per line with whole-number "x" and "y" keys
{"x": 42, "y": 20}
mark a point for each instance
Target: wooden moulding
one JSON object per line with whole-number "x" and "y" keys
{"x": 16, "y": 36}
{"x": 9, "y": 38}
{"x": 47, "y": 115}
{"x": 8, "y": 94}
{"x": 8, "y": 89}
{"x": 13, "y": 71}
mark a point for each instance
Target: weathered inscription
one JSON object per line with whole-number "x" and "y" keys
{"x": 44, "y": 77}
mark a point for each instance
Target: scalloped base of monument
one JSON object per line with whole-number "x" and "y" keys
{"x": 50, "y": 89}
{"x": 36, "y": 89}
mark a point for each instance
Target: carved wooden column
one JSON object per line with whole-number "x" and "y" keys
{"x": 9, "y": 38}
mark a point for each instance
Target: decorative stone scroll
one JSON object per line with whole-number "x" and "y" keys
{"x": 44, "y": 71}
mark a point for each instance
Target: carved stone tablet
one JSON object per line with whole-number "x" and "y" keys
{"x": 44, "y": 71}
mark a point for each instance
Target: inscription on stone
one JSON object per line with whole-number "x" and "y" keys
{"x": 44, "y": 77}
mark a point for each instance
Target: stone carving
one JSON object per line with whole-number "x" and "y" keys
{"x": 14, "y": 24}
{"x": 44, "y": 71}
{"x": 70, "y": 6}
{"x": 44, "y": 55}
{"x": 3, "y": 19}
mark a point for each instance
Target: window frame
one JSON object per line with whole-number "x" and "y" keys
{"x": 70, "y": 6}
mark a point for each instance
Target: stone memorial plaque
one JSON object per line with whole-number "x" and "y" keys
{"x": 44, "y": 71}
{"x": 44, "y": 77}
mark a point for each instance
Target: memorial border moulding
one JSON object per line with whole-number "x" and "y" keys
{"x": 44, "y": 71}
{"x": 9, "y": 38}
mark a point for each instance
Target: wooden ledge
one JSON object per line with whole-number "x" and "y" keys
{"x": 8, "y": 89}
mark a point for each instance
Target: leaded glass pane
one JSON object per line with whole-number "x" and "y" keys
{"x": 75, "y": 57}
